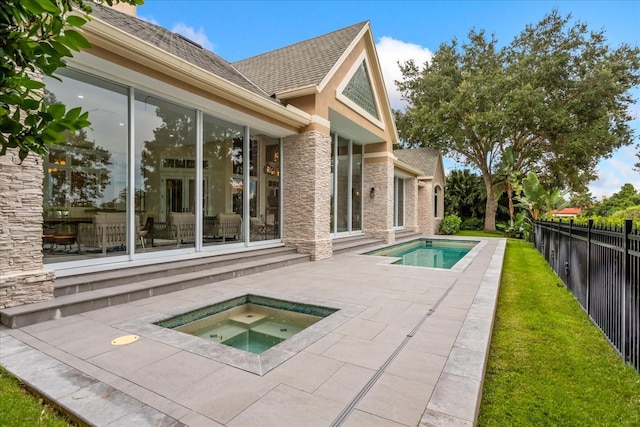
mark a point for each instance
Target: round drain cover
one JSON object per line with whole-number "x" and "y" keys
{"x": 126, "y": 339}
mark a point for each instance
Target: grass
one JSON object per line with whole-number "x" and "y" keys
{"x": 548, "y": 364}
{"x": 18, "y": 407}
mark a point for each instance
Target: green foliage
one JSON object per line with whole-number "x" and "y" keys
{"x": 625, "y": 198}
{"x": 632, "y": 212}
{"x": 548, "y": 364}
{"x": 472, "y": 224}
{"x": 607, "y": 222}
{"x": 557, "y": 96}
{"x": 537, "y": 200}
{"x": 521, "y": 227}
{"x": 35, "y": 37}
{"x": 464, "y": 194}
{"x": 450, "y": 225}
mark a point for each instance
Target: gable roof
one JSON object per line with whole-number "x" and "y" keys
{"x": 425, "y": 159}
{"x": 299, "y": 65}
{"x": 177, "y": 45}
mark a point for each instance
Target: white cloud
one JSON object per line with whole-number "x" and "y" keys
{"x": 390, "y": 52}
{"x": 197, "y": 36}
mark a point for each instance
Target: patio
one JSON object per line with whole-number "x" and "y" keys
{"x": 414, "y": 354}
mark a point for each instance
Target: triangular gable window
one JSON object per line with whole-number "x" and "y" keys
{"x": 360, "y": 91}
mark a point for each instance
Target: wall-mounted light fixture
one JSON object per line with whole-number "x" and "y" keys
{"x": 372, "y": 192}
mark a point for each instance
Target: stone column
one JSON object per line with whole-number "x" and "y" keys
{"x": 23, "y": 278}
{"x": 411, "y": 204}
{"x": 306, "y": 192}
{"x": 378, "y": 210}
{"x": 425, "y": 208}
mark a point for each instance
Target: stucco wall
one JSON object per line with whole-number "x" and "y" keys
{"x": 306, "y": 193}
{"x": 23, "y": 278}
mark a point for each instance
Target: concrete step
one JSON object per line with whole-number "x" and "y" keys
{"x": 105, "y": 279}
{"x": 407, "y": 235}
{"x": 354, "y": 243}
{"x": 67, "y": 305}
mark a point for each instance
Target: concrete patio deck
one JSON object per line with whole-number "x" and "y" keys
{"x": 413, "y": 355}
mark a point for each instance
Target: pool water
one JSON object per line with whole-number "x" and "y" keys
{"x": 249, "y": 323}
{"x": 435, "y": 253}
{"x": 255, "y": 330}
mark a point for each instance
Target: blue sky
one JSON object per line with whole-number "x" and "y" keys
{"x": 402, "y": 30}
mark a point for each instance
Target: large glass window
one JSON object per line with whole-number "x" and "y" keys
{"x": 356, "y": 187}
{"x": 399, "y": 202}
{"x": 223, "y": 168}
{"x": 346, "y": 185}
{"x": 85, "y": 177}
{"x": 165, "y": 172}
{"x": 264, "y": 181}
{"x": 101, "y": 199}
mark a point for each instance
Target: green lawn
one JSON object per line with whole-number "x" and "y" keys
{"x": 19, "y": 408}
{"x": 548, "y": 364}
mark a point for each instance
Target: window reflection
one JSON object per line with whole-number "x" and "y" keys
{"x": 165, "y": 141}
{"x": 86, "y": 175}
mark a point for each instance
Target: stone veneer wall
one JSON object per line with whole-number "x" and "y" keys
{"x": 306, "y": 179}
{"x": 378, "y": 212}
{"x": 425, "y": 208}
{"x": 23, "y": 278}
{"x": 411, "y": 204}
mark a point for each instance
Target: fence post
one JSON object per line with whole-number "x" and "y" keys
{"x": 628, "y": 224}
{"x": 589, "y": 227}
{"x": 568, "y": 262}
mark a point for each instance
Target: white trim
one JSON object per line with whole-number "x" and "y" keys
{"x": 378, "y": 154}
{"x": 343, "y": 57}
{"x": 298, "y": 92}
{"x": 321, "y": 121}
{"x": 349, "y": 103}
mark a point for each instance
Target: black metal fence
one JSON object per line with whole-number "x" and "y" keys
{"x": 601, "y": 267}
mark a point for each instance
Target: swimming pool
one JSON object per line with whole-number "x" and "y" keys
{"x": 435, "y": 253}
{"x": 251, "y": 323}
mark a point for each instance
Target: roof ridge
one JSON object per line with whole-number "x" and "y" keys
{"x": 310, "y": 40}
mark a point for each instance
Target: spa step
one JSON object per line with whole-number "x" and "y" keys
{"x": 105, "y": 279}
{"x": 67, "y": 305}
{"x": 354, "y": 244}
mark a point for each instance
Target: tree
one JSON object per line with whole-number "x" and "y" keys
{"x": 465, "y": 194}
{"x": 557, "y": 96}
{"x": 35, "y": 37}
{"x": 537, "y": 200}
{"x": 627, "y": 197}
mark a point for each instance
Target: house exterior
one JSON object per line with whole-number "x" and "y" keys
{"x": 189, "y": 155}
{"x": 566, "y": 213}
{"x": 430, "y": 185}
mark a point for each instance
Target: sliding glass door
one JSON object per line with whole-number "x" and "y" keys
{"x": 346, "y": 186}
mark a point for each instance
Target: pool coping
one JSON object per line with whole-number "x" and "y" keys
{"x": 259, "y": 364}
{"x": 458, "y": 267}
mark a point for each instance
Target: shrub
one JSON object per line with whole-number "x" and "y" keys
{"x": 472, "y": 224}
{"x": 450, "y": 225}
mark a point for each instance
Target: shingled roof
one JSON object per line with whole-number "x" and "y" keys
{"x": 301, "y": 64}
{"x": 176, "y": 45}
{"x": 423, "y": 158}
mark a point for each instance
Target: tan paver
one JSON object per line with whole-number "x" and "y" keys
{"x": 414, "y": 353}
